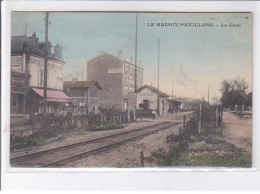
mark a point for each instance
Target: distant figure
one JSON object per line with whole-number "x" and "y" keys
{"x": 154, "y": 114}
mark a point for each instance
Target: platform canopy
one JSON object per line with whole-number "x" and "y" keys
{"x": 53, "y": 95}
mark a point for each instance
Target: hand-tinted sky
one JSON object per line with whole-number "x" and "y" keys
{"x": 193, "y": 57}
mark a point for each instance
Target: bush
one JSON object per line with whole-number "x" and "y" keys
{"x": 22, "y": 142}
{"x": 109, "y": 126}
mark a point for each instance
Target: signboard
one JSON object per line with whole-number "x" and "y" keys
{"x": 132, "y": 98}
{"x": 145, "y": 94}
{"x": 19, "y": 82}
{"x": 115, "y": 71}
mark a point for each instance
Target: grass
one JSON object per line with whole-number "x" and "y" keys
{"x": 39, "y": 138}
{"x": 205, "y": 152}
{"x": 32, "y": 140}
{"x": 109, "y": 126}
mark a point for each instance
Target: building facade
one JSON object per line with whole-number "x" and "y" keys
{"x": 84, "y": 96}
{"x": 27, "y": 57}
{"x": 117, "y": 78}
{"x": 148, "y": 97}
{"x": 19, "y": 97}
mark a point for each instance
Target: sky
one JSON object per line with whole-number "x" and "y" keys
{"x": 192, "y": 58}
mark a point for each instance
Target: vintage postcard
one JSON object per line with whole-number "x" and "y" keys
{"x": 131, "y": 89}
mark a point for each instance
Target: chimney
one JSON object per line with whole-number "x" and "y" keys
{"x": 25, "y": 50}
{"x": 33, "y": 43}
{"x": 120, "y": 54}
{"x": 58, "y": 51}
{"x": 131, "y": 59}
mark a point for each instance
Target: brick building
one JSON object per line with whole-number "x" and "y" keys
{"x": 117, "y": 78}
{"x": 84, "y": 95}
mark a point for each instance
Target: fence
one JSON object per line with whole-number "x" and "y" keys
{"x": 41, "y": 124}
{"x": 143, "y": 113}
{"x": 206, "y": 120}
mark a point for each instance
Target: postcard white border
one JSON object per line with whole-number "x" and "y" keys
{"x": 137, "y": 178}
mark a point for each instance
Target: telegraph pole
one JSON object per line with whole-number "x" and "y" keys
{"x": 172, "y": 88}
{"x": 136, "y": 53}
{"x": 158, "y": 97}
{"x": 82, "y": 107}
{"x": 208, "y": 93}
{"x": 46, "y": 64}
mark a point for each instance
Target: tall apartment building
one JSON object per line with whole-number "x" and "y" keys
{"x": 117, "y": 78}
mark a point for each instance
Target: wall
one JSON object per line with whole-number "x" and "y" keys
{"x": 107, "y": 70}
{"x": 147, "y": 94}
{"x": 17, "y": 63}
{"x": 92, "y": 100}
{"x": 129, "y": 78}
{"x": 94, "y": 96}
{"x": 166, "y": 106}
{"x": 55, "y": 71}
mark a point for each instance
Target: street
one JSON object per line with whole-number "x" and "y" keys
{"x": 237, "y": 131}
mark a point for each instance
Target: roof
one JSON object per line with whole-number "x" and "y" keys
{"x": 132, "y": 64}
{"x": 39, "y": 53}
{"x": 53, "y": 95}
{"x": 175, "y": 100}
{"x": 104, "y": 54}
{"x": 80, "y": 84}
{"x": 155, "y": 90}
{"x": 17, "y": 43}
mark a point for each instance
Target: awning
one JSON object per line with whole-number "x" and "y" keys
{"x": 53, "y": 95}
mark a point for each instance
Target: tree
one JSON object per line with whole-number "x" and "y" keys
{"x": 233, "y": 92}
{"x": 249, "y": 99}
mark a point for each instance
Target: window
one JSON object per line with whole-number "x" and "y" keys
{"x": 81, "y": 104}
{"x": 41, "y": 77}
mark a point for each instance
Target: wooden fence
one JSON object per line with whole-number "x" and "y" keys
{"x": 40, "y": 124}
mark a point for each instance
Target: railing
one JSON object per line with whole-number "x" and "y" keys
{"x": 50, "y": 123}
{"x": 143, "y": 113}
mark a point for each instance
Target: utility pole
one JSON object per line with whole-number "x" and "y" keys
{"x": 172, "y": 89}
{"x": 158, "y": 97}
{"x": 136, "y": 53}
{"x": 82, "y": 100}
{"x": 208, "y": 93}
{"x": 46, "y": 64}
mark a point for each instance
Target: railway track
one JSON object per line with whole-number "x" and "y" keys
{"x": 78, "y": 156}
{"x": 83, "y": 149}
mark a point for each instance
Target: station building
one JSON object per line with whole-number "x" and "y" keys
{"x": 148, "y": 95}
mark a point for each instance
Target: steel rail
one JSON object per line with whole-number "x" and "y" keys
{"x": 35, "y": 154}
{"x": 61, "y": 148}
{"x": 103, "y": 148}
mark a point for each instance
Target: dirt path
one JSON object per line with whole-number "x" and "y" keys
{"x": 237, "y": 131}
